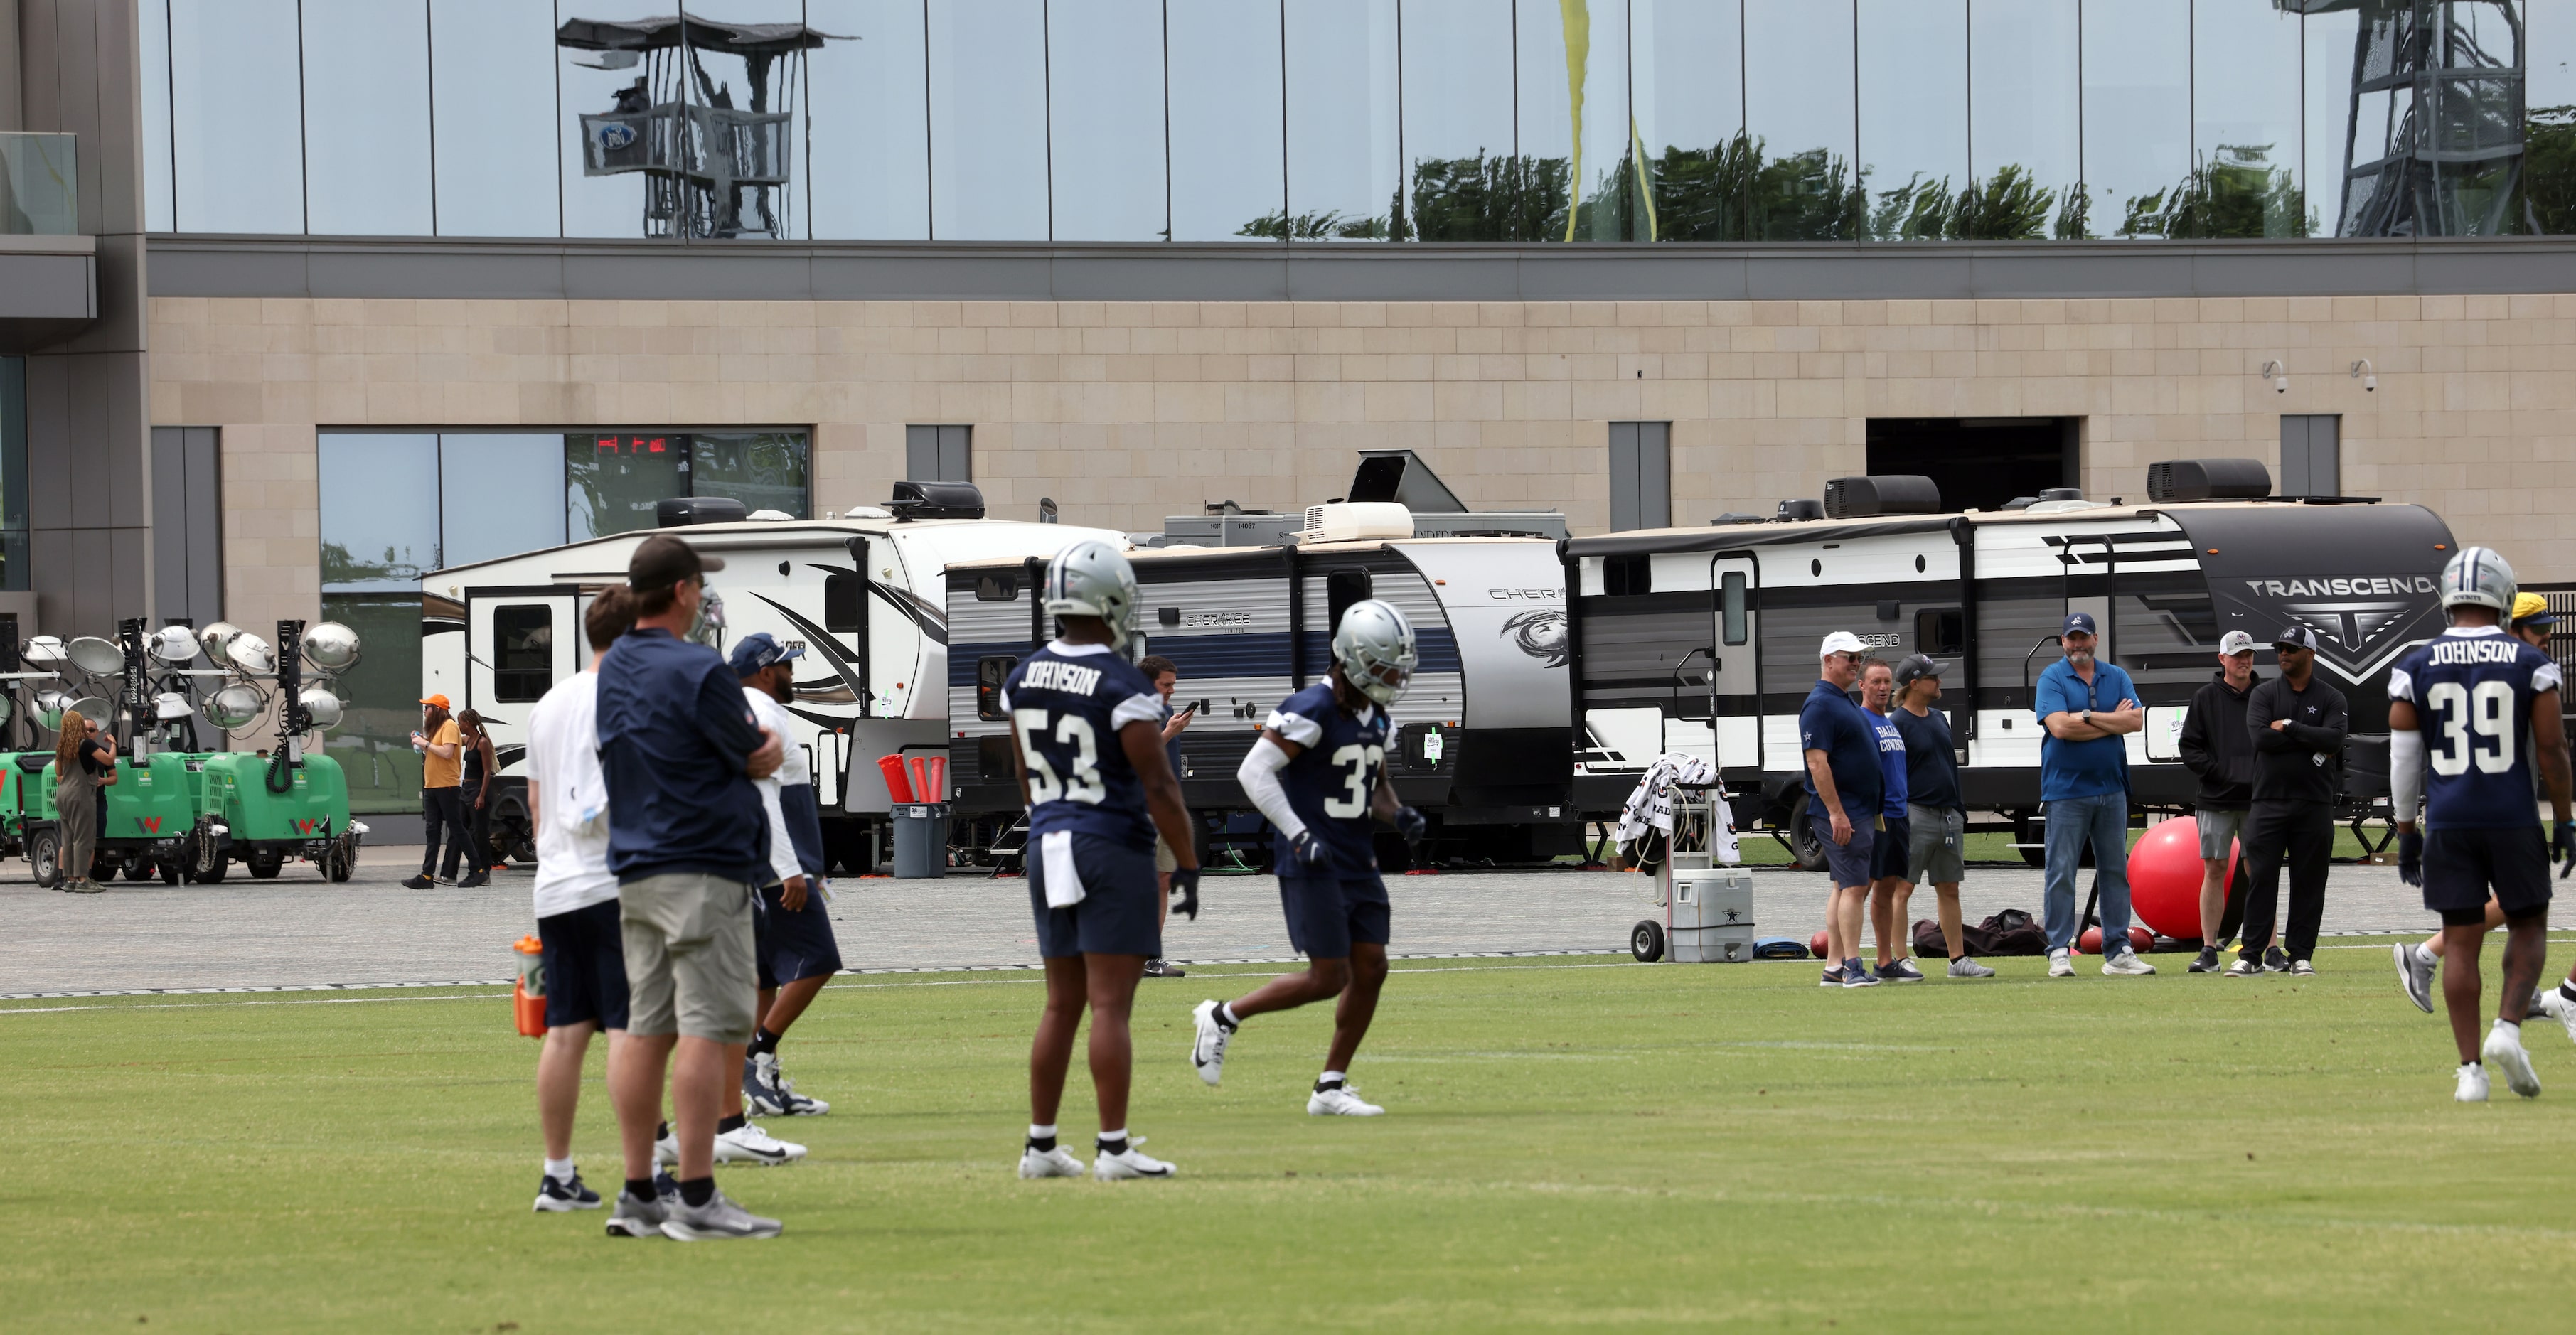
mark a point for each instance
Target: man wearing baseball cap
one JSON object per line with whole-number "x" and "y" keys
{"x": 2216, "y": 747}
{"x": 2298, "y": 723}
{"x": 1843, "y": 796}
{"x": 791, "y": 932}
{"x": 2087, "y": 707}
{"x": 1936, "y": 813}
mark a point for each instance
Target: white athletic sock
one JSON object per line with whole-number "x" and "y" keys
{"x": 561, "y": 1170}
{"x": 2423, "y": 956}
{"x": 1037, "y": 1132}
{"x": 1118, "y": 1136}
{"x": 2505, "y": 1026}
{"x": 1329, "y": 1077}
{"x": 1232, "y": 1020}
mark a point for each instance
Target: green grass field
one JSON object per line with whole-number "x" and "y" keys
{"x": 1567, "y": 1145}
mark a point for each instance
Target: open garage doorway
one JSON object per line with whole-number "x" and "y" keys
{"x": 1979, "y": 462}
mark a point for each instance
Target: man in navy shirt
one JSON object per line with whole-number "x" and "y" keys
{"x": 1935, "y": 812}
{"x": 687, "y": 839}
{"x": 2087, "y": 706}
{"x": 1887, "y": 853}
{"x": 1843, "y": 799}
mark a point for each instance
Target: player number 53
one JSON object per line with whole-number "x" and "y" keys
{"x": 1072, "y": 730}
{"x": 1361, "y": 762}
{"x": 2487, "y": 711}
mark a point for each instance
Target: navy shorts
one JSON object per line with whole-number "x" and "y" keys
{"x": 791, "y": 946}
{"x": 1889, "y": 849}
{"x": 1850, "y": 863}
{"x": 1116, "y": 915}
{"x": 2462, "y": 866}
{"x": 1327, "y": 914}
{"x": 585, "y": 962}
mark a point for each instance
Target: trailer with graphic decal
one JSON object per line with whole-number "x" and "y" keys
{"x": 1704, "y": 641}
{"x": 861, "y": 592}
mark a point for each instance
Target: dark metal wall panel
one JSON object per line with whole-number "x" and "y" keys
{"x": 48, "y": 287}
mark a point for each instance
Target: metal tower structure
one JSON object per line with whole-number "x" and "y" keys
{"x": 2433, "y": 144}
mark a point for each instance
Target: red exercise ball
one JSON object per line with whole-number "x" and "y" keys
{"x": 2091, "y": 942}
{"x": 2164, "y": 877}
{"x": 1819, "y": 944}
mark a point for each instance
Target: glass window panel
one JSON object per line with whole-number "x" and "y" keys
{"x": 1573, "y": 61}
{"x": 366, "y": 117}
{"x": 523, "y": 653}
{"x": 765, "y": 470}
{"x": 2137, "y": 111}
{"x": 1686, "y": 82}
{"x": 497, "y": 494}
{"x": 373, "y": 741}
{"x": 612, "y": 482}
{"x": 2328, "y": 42}
{"x": 988, "y": 131}
{"x": 378, "y": 496}
{"x": 870, "y": 178}
{"x": 153, "y": 36}
{"x": 492, "y": 109}
{"x": 237, "y": 159}
{"x": 614, "y": 198}
{"x": 758, "y": 137}
{"x": 2245, "y": 125}
{"x": 2025, "y": 104}
{"x": 1105, "y": 120}
{"x": 1227, "y": 174}
{"x": 1798, "y": 111}
{"x": 1914, "y": 117}
{"x": 2549, "y": 145}
{"x": 1344, "y": 140}
{"x": 1464, "y": 178}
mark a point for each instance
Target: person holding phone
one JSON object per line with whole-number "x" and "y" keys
{"x": 1166, "y": 675}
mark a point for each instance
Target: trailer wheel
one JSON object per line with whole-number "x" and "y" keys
{"x": 139, "y": 870}
{"x": 1805, "y": 845}
{"x": 265, "y": 868}
{"x": 1646, "y": 941}
{"x": 340, "y": 862}
{"x": 44, "y": 853}
{"x": 169, "y": 873}
{"x": 213, "y": 875}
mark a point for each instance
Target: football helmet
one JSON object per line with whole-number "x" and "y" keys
{"x": 2478, "y": 577}
{"x": 1374, "y": 647}
{"x": 1092, "y": 579}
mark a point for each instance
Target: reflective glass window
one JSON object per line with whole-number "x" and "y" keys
{"x": 1686, "y": 84}
{"x": 1227, "y": 177}
{"x": 1105, "y": 119}
{"x": 1573, "y": 61}
{"x": 2440, "y": 128}
{"x": 613, "y": 481}
{"x": 621, "y": 114}
{"x": 2246, "y": 142}
{"x": 1464, "y": 179}
{"x": 1344, "y": 146}
{"x": 492, "y": 118}
{"x": 2025, "y": 110}
{"x": 366, "y": 118}
{"x": 1798, "y": 111}
{"x": 2327, "y": 44}
{"x": 2137, "y": 112}
{"x": 378, "y": 496}
{"x": 373, "y": 741}
{"x": 870, "y": 178}
{"x": 153, "y": 37}
{"x": 747, "y": 120}
{"x": 2549, "y": 123}
{"x": 988, "y": 132}
{"x": 765, "y": 470}
{"x": 1914, "y": 118}
{"x": 237, "y": 147}
{"x": 497, "y": 494}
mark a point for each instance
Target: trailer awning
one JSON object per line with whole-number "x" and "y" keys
{"x": 1731, "y": 537}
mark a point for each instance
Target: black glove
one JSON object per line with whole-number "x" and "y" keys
{"x": 2410, "y": 856}
{"x": 1306, "y": 852}
{"x": 1185, "y": 888}
{"x": 2562, "y": 848}
{"x": 1411, "y": 824}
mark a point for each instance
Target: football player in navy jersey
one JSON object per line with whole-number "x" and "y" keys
{"x": 1087, "y": 737}
{"x": 1319, "y": 774}
{"x": 2476, "y": 707}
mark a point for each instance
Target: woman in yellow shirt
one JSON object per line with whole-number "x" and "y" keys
{"x": 442, "y": 793}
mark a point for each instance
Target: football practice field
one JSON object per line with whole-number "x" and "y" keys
{"x": 1583, "y": 1143}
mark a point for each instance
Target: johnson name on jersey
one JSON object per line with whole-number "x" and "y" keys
{"x": 1330, "y": 783}
{"x": 2472, "y": 688}
{"x": 1067, "y": 703}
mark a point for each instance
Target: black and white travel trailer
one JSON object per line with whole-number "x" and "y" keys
{"x": 1486, "y": 732}
{"x": 1704, "y": 641}
{"x": 863, "y": 592}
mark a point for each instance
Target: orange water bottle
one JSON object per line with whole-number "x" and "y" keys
{"x": 528, "y": 995}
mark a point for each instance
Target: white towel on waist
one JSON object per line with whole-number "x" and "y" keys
{"x": 1063, "y": 882}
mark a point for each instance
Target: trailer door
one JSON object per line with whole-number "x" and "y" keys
{"x": 517, "y": 646}
{"x": 1734, "y": 582}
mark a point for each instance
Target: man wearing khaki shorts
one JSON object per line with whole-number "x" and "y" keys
{"x": 1165, "y": 674}
{"x": 687, "y": 839}
{"x": 1936, "y": 813}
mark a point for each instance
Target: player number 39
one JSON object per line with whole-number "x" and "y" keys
{"x": 2487, "y": 711}
{"x": 1072, "y": 730}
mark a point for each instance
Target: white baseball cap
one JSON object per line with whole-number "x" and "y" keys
{"x": 2235, "y": 642}
{"x": 1842, "y": 642}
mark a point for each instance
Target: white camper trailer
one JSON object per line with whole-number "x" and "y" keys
{"x": 863, "y": 593}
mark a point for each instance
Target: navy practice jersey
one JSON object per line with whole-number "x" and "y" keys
{"x": 1067, "y": 703}
{"x": 2472, "y": 689}
{"x": 1331, "y": 783}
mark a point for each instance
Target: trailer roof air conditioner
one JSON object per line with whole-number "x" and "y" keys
{"x": 1345, "y": 521}
{"x": 1885, "y": 494}
{"x": 680, "y": 511}
{"x": 2208, "y": 480}
{"x": 937, "y": 500}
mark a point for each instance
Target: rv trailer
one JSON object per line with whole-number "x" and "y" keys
{"x": 1703, "y": 641}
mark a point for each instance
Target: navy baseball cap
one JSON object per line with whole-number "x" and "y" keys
{"x": 2077, "y": 623}
{"x": 2295, "y": 637}
{"x": 753, "y": 652}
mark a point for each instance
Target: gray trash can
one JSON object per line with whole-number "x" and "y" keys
{"x": 920, "y": 840}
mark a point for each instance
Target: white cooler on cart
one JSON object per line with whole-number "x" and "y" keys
{"x": 1708, "y": 911}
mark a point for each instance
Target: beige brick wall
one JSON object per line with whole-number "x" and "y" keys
{"x": 1126, "y": 412}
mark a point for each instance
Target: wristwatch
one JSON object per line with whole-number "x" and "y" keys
{"x": 2087, "y": 716}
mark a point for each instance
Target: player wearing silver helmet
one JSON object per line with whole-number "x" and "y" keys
{"x": 1319, "y": 774}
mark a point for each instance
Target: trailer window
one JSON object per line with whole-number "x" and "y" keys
{"x": 1341, "y": 589}
{"x": 523, "y": 653}
{"x": 1626, "y": 576}
{"x": 841, "y": 593}
{"x": 990, "y": 673}
{"x": 1004, "y": 588}
{"x": 1940, "y": 630}
{"x": 1730, "y": 608}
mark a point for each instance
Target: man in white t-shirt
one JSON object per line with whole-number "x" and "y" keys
{"x": 791, "y": 930}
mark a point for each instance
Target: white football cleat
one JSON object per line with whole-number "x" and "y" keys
{"x": 1207, "y": 1050}
{"x": 1057, "y": 1162}
{"x": 2473, "y": 1084}
{"x": 2554, "y": 1005}
{"x": 1127, "y": 1163}
{"x": 2503, "y": 1051}
{"x": 747, "y": 1143}
{"x": 2415, "y": 976}
{"x": 1340, "y": 1101}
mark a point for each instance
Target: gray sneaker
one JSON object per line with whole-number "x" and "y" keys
{"x": 639, "y": 1218}
{"x": 2302, "y": 969}
{"x": 716, "y": 1221}
{"x": 1963, "y": 967}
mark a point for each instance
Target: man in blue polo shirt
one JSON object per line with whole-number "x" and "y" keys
{"x": 2087, "y": 706}
{"x": 1843, "y": 796}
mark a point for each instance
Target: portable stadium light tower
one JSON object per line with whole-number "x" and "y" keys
{"x": 2433, "y": 143}
{"x": 679, "y": 128}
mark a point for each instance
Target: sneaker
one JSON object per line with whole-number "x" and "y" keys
{"x": 84, "y": 886}
{"x": 2274, "y": 960}
{"x": 2473, "y": 1084}
{"x": 2243, "y": 968}
{"x": 2416, "y": 976}
{"x": 417, "y": 883}
{"x": 771, "y": 1094}
{"x": 1963, "y": 967}
{"x": 747, "y": 1143}
{"x": 666, "y": 1151}
{"x": 478, "y": 878}
{"x": 2127, "y": 964}
{"x": 1340, "y": 1101}
{"x": 2061, "y": 964}
{"x": 1833, "y": 976}
{"x": 640, "y": 1218}
{"x": 718, "y": 1220}
{"x": 1057, "y": 1162}
{"x": 1127, "y": 1163}
{"x": 2302, "y": 969}
{"x": 1162, "y": 969}
{"x": 1207, "y": 1051}
{"x": 2206, "y": 961}
{"x": 2503, "y": 1050}
{"x": 555, "y": 1196}
{"x": 1856, "y": 976}
{"x": 2555, "y": 1006}
{"x": 1902, "y": 971}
